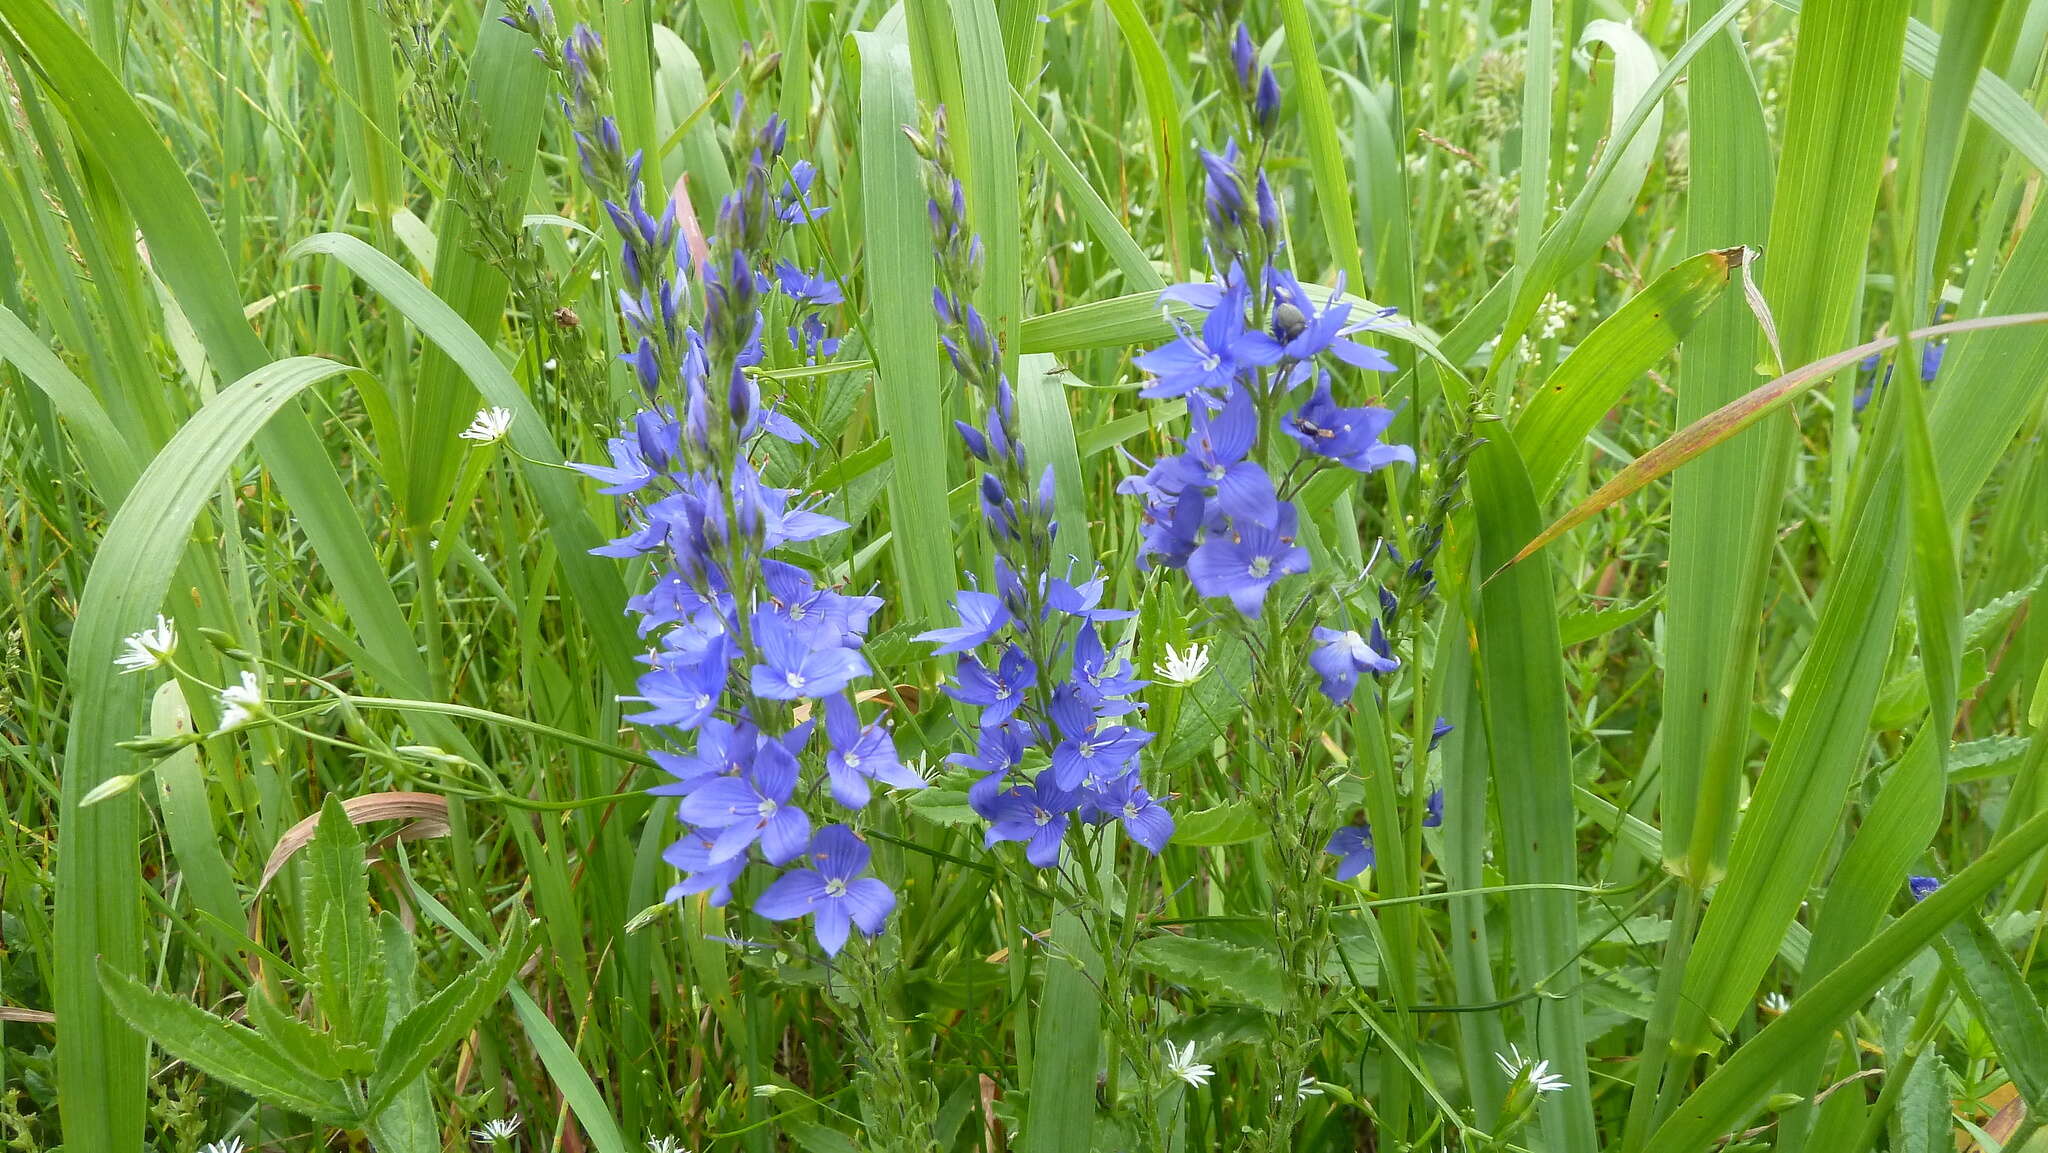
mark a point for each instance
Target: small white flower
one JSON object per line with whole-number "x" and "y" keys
{"x": 769, "y": 1089}
{"x": 1182, "y": 1064}
{"x": 666, "y": 1145}
{"x": 1536, "y": 1073}
{"x": 240, "y": 704}
{"x": 150, "y": 648}
{"x": 1777, "y": 1002}
{"x": 1309, "y": 1087}
{"x": 1183, "y": 668}
{"x": 489, "y": 427}
{"x": 224, "y": 1145}
{"x": 497, "y": 1129}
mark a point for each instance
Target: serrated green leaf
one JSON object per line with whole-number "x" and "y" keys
{"x": 422, "y": 1035}
{"x": 1231, "y": 824}
{"x": 347, "y": 968}
{"x": 1998, "y": 994}
{"x": 226, "y": 1051}
{"x": 316, "y": 1052}
{"x": 1217, "y": 968}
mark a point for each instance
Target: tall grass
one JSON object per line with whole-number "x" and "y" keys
{"x": 1734, "y": 630}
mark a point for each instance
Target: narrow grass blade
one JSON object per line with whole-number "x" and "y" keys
{"x": 987, "y": 133}
{"x": 1094, "y": 211}
{"x": 1325, "y": 155}
{"x": 1048, "y": 431}
{"x": 1721, "y": 508}
{"x": 1167, "y": 119}
{"x": 1727, "y": 421}
{"x": 1521, "y": 683}
{"x": 1067, "y": 1043}
{"x": 187, "y": 808}
{"x": 899, "y": 272}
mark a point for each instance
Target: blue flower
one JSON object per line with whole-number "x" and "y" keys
{"x": 1211, "y": 360}
{"x": 1930, "y": 360}
{"x": 999, "y": 694}
{"x": 1215, "y": 460}
{"x": 679, "y": 694}
{"x": 832, "y": 891}
{"x": 628, "y": 473}
{"x": 1104, "y": 684}
{"x": 806, "y": 288}
{"x": 1352, "y": 846}
{"x": 1338, "y": 658}
{"x": 1306, "y": 332}
{"x": 1349, "y": 436}
{"x": 722, "y": 749}
{"x": 859, "y": 754}
{"x": 1088, "y": 750}
{"x": 1922, "y": 887}
{"x": 701, "y": 874}
{"x": 1124, "y": 799}
{"x": 1433, "y": 814}
{"x": 1018, "y": 815}
{"x": 791, "y": 669}
{"x": 820, "y": 617}
{"x": 1242, "y": 566}
{"x": 1439, "y": 731}
{"x": 982, "y": 616}
{"x": 753, "y": 806}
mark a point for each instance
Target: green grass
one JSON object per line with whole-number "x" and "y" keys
{"x": 1778, "y": 649}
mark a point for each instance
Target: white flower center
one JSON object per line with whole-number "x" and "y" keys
{"x": 852, "y": 760}
{"x": 796, "y": 680}
{"x": 1211, "y": 362}
{"x": 1130, "y": 810}
{"x": 1261, "y": 565}
{"x": 1041, "y": 817}
{"x": 835, "y": 888}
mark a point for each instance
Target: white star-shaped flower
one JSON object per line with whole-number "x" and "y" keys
{"x": 496, "y": 1129}
{"x": 1183, "y": 668}
{"x": 490, "y": 426}
{"x": 1536, "y": 1073}
{"x": 240, "y": 704}
{"x": 150, "y": 648}
{"x": 1182, "y": 1064}
{"x": 224, "y": 1145}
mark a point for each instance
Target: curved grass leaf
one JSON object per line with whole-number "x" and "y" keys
{"x": 593, "y": 580}
{"x": 102, "y": 1076}
{"x": 1572, "y": 401}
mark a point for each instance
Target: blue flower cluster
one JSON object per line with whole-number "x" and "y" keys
{"x": 1033, "y": 660}
{"x": 747, "y": 647}
{"x": 1262, "y": 339}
